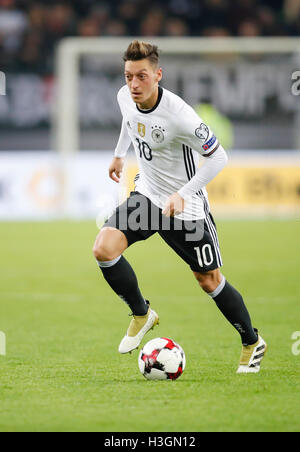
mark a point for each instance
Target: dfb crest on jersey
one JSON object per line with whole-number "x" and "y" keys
{"x": 202, "y": 132}
{"x": 141, "y": 129}
{"x": 158, "y": 134}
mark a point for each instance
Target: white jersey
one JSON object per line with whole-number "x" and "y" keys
{"x": 168, "y": 141}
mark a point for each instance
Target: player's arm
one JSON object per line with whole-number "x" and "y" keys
{"x": 192, "y": 132}
{"x": 208, "y": 171}
{"x": 117, "y": 164}
{"x": 213, "y": 164}
{"x": 197, "y": 135}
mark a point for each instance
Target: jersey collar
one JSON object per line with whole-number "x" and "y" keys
{"x": 160, "y": 93}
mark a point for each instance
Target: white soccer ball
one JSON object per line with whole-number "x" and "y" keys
{"x": 162, "y": 359}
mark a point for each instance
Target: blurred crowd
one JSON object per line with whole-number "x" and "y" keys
{"x": 30, "y": 29}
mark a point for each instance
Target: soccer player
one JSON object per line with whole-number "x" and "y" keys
{"x": 169, "y": 198}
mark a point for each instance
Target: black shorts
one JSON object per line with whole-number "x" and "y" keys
{"x": 196, "y": 242}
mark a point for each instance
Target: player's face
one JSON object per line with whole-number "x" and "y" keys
{"x": 142, "y": 80}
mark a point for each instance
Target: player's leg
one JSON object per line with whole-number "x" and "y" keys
{"x": 117, "y": 234}
{"x": 231, "y": 304}
{"x": 200, "y": 250}
{"x": 229, "y": 301}
{"x": 108, "y": 249}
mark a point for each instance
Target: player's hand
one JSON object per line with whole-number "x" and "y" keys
{"x": 174, "y": 205}
{"x": 116, "y": 168}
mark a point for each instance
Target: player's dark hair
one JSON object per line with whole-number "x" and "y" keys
{"x": 139, "y": 50}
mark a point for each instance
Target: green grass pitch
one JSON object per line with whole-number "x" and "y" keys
{"x": 63, "y": 325}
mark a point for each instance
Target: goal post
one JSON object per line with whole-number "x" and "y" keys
{"x": 65, "y": 121}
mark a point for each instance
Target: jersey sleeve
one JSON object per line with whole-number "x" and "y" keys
{"x": 123, "y": 143}
{"x": 208, "y": 171}
{"x": 193, "y": 132}
{"x": 124, "y": 138}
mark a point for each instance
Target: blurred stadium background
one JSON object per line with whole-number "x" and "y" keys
{"x": 237, "y": 62}
{"x": 245, "y": 96}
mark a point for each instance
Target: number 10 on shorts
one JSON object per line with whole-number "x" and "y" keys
{"x": 204, "y": 255}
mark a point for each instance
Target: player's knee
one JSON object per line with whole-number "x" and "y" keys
{"x": 103, "y": 253}
{"x": 209, "y": 281}
{"x": 207, "y": 285}
{"x": 107, "y": 246}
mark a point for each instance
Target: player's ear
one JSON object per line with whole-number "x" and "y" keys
{"x": 159, "y": 74}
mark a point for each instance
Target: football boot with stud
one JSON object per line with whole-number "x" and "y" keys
{"x": 138, "y": 327}
{"x": 251, "y": 356}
